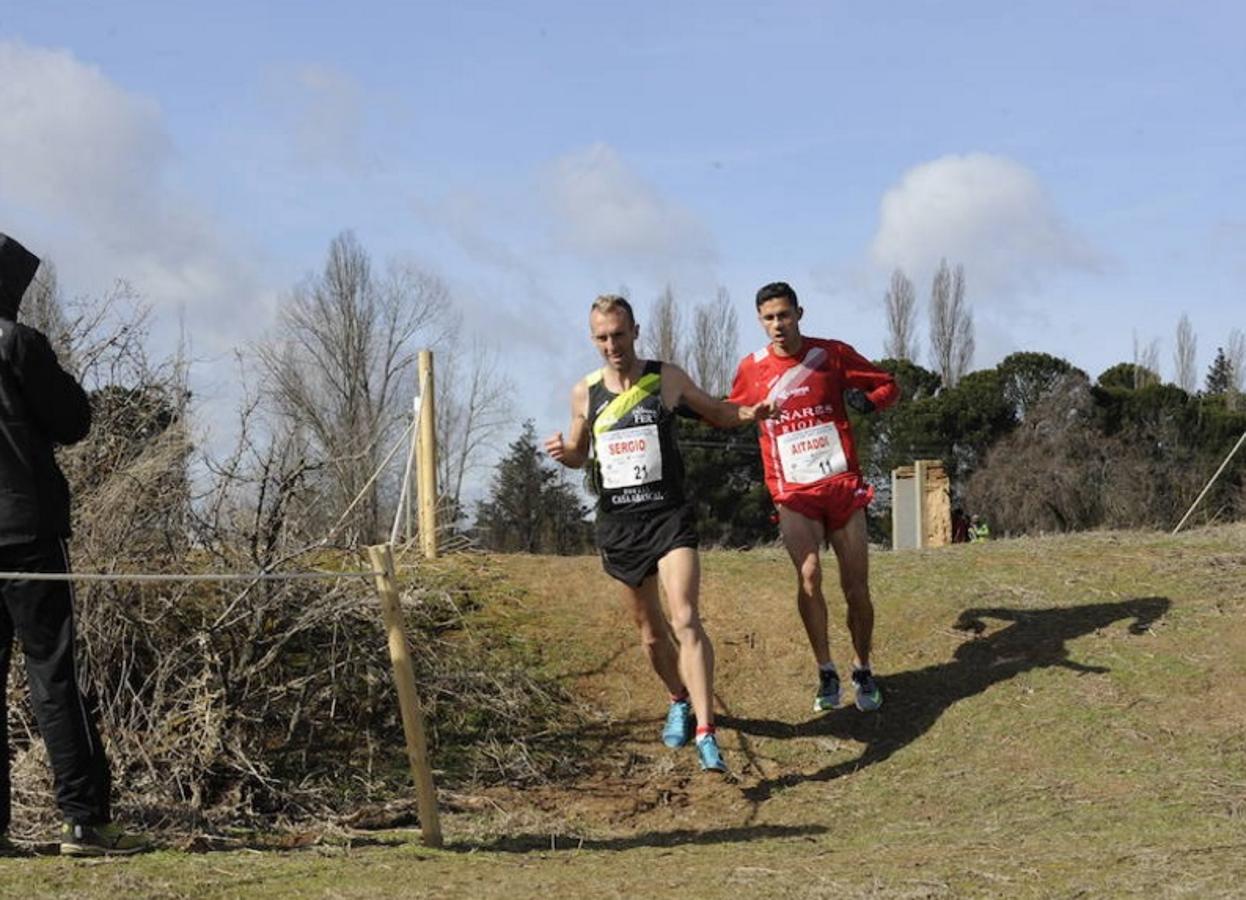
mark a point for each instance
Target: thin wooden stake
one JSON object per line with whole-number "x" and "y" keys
{"x": 1199, "y": 498}
{"x": 427, "y": 479}
{"x": 382, "y": 558}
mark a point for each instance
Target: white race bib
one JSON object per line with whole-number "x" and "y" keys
{"x": 811, "y": 454}
{"x": 630, "y": 457}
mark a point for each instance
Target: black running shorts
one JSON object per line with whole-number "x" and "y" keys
{"x": 631, "y": 545}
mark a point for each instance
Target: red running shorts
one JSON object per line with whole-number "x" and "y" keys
{"x": 832, "y": 503}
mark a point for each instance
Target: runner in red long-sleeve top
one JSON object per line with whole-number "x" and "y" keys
{"x": 813, "y": 474}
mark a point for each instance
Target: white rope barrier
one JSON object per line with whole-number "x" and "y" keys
{"x": 253, "y": 577}
{"x": 404, "y": 498}
{"x": 364, "y": 490}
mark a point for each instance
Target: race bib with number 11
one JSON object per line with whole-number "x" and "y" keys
{"x": 812, "y": 454}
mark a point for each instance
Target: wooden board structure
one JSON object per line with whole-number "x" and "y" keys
{"x": 921, "y": 505}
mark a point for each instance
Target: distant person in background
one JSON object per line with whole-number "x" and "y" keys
{"x": 960, "y": 526}
{"x": 42, "y": 405}
{"x": 622, "y": 421}
{"x": 813, "y": 475}
{"x": 978, "y": 529}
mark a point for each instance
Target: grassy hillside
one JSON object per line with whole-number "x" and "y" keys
{"x": 1063, "y": 716}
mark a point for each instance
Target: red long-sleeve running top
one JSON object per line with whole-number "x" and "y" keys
{"x": 810, "y": 442}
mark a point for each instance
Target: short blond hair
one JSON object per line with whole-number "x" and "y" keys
{"x": 610, "y": 302}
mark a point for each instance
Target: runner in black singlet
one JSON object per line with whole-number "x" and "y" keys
{"x": 622, "y": 422}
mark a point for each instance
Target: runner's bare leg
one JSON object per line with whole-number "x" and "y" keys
{"x": 655, "y": 633}
{"x": 680, "y": 571}
{"x": 852, "y": 550}
{"x": 803, "y": 538}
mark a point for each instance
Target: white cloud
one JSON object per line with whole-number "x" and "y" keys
{"x": 607, "y": 212}
{"x": 85, "y": 179}
{"x": 986, "y": 212}
{"x": 87, "y": 172}
{"x": 74, "y": 143}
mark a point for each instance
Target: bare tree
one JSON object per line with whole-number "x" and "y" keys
{"x": 901, "y": 303}
{"x": 1146, "y": 363}
{"x": 951, "y": 325}
{"x": 339, "y": 367}
{"x": 473, "y": 408}
{"x": 715, "y": 343}
{"x": 1183, "y": 354}
{"x": 663, "y": 329}
{"x": 1235, "y": 353}
{"x": 43, "y": 308}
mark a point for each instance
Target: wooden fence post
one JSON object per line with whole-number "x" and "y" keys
{"x": 381, "y": 557}
{"x": 919, "y": 482}
{"x": 427, "y": 479}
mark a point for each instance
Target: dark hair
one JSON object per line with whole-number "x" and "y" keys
{"x": 610, "y": 302}
{"x": 776, "y": 290}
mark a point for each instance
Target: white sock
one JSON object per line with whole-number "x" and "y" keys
{"x": 826, "y": 667}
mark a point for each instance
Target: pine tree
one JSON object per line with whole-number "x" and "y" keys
{"x": 531, "y": 507}
{"x": 1220, "y": 375}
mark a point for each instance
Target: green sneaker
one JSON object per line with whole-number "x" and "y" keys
{"x": 869, "y": 696}
{"x": 100, "y": 840}
{"x": 827, "y": 697}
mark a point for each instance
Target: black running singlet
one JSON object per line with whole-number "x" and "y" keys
{"x": 637, "y": 463}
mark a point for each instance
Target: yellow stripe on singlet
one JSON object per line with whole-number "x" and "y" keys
{"x": 646, "y": 386}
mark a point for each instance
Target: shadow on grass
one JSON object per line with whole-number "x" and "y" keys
{"x": 535, "y": 843}
{"x": 1035, "y": 639}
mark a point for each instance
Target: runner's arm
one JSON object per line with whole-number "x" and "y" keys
{"x": 719, "y": 413}
{"x": 878, "y": 384}
{"x": 572, "y": 451}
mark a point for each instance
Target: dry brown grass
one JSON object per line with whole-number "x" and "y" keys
{"x": 1063, "y": 718}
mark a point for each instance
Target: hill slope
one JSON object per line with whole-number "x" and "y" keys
{"x": 1062, "y": 715}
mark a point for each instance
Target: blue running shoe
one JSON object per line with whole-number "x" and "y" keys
{"x": 678, "y": 729}
{"x": 869, "y": 696}
{"x": 827, "y": 697}
{"x": 711, "y": 756}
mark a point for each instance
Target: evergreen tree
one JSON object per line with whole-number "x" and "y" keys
{"x": 1027, "y": 377}
{"x": 531, "y": 506}
{"x": 1220, "y": 375}
{"x": 723, "y": 478}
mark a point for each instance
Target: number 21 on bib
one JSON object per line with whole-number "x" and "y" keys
{"x": 630, "y": 457}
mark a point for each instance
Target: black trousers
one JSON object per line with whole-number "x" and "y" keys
{"x": 40, "y": 614}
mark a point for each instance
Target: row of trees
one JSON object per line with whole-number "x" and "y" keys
{"x": 1227, "y": 373}
{"x": 1034, "y": 443}
{"x": 326, "y": 396}
{"x": 533, "y": 505}
{"x": 951, "y": 322}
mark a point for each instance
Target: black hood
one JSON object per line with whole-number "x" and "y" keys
{"x": 17, "y": 270}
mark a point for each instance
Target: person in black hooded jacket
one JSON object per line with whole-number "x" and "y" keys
{"x": 41, "y": 405}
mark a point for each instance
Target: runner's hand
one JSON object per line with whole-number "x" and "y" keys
{"x": 764, "y": 410}
{"x": 857, "y": 399}
{"x": 556, "y": 447}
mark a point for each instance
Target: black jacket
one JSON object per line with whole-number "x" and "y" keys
{"x": 40, "y": 405}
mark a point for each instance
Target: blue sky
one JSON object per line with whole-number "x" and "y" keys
{"x": 1085, "y": 162}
